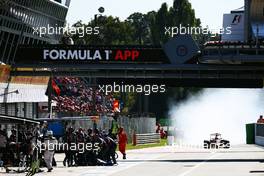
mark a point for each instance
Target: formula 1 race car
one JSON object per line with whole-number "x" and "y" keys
{"x": 216, "y": 142}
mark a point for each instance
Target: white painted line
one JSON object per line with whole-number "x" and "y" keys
{"x": 111, "y": 170}
{"x": 198, "y": 165}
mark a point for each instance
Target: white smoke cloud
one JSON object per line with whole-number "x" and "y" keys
{"x": 225, "y": 111}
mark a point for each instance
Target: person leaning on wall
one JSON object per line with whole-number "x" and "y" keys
{"x": 260, "y": 120}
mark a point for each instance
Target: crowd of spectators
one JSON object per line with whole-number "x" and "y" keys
{"x": 76, "y": 96}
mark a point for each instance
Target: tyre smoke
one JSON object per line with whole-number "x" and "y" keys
{"x": 224, "y": 111}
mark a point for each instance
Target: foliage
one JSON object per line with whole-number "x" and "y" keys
{"x": 163, "y": 142}
{"x": 144, "y": 29}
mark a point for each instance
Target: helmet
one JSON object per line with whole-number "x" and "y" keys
{"x": 49, "y": 133}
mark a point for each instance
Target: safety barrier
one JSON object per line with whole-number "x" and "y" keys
{"x": 149, "y": 138}
{"x": 259, "y": 134}
{"x": 255, "y": 133}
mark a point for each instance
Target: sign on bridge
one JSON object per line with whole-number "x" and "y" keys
{"x": 179, "y": 50}
{"x": 62, "y": 54}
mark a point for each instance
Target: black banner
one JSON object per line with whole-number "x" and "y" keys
{"x": 61, "y": 54}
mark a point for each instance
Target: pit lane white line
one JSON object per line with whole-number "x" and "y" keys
{"x": 105, "y": 171}
{"x": 198, "y": 165}
{"x": 110, "y": 170}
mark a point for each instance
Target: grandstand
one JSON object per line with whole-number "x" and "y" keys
{"x": 19, "y": 18}
{"x": 74, "y": 96}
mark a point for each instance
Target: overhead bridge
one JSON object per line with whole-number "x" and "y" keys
{"x": 194, "y": 75}
{"x": 178, "y": 63}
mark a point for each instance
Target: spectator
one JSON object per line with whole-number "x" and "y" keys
{"x": 260, "y": 120}
{"x": 158, "y": 128}
{"x": 77, "y": 97}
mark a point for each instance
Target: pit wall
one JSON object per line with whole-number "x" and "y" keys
{"x": 259, "y": 134}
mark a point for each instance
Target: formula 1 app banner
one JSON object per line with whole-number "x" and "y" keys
{"x": 89, "y": 54}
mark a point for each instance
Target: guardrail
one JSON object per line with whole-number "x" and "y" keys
{"x": 149, "y": 138}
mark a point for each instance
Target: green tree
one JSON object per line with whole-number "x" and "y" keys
{"x": 162, "y": 21}
{"x": 145, "y": 29}
{"x": 140, "y": 27}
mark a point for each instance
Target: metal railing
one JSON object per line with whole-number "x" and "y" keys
{"x": 149, "y": 138}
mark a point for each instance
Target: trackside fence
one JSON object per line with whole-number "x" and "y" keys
{"x": 148, "y": 138}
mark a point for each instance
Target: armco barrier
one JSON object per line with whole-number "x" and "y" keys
{"x": 149, "y": 138}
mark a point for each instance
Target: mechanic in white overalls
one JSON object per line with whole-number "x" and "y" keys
{"x": 50, "y": 145}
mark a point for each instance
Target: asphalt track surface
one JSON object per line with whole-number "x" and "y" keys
{"x": 243, "y": 160}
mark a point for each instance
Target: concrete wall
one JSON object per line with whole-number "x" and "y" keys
{"x": 259, "y": 140}
{"x": 259, "y": 134}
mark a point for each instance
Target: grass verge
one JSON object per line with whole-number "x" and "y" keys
{"x": 163, "y": 142}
